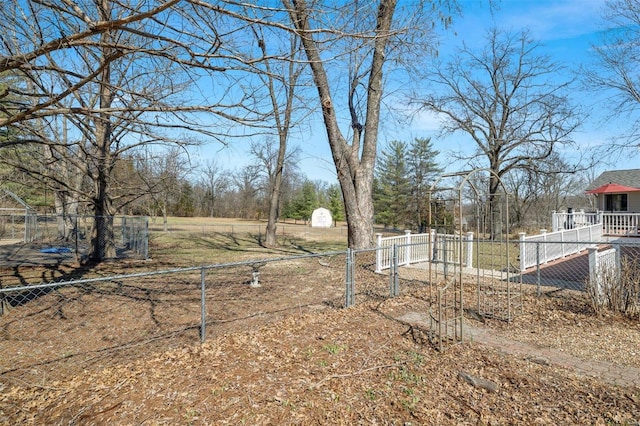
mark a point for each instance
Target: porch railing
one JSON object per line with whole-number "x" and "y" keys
{"x": 613, "y": 223}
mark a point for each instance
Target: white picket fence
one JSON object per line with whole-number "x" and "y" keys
{"x": 429, "y": 247}
{"x": 556, "y": 245}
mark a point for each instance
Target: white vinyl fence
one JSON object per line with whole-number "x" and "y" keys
{"x": 568, "y": 242}
{"x": 604, "y": 267}
{"x": 577, "y": 219}
{"x": 429, "y": 247}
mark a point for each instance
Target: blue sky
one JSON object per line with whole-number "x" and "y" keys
{"x": 566, "y": 28}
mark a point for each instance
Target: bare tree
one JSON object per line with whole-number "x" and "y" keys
{"x": 67, "y": 180}
{"x": 57, "y": 166}
{"x": 368, "y": 39}
{"x": 247, "y": 185}
{"x": 215, "y": 181}
{"x": 37, "y": 37}
{"x": 120, "y": 72}
{"x": 162, "y": 174}
{"x": 616, "y": 72}
{"x": 281, "y": 85}
{"x": 87, "y": 77}
{"x": 275, "y": 164}
{"x": 95, "y": 61}
{"x": 537, "y": 191}
{"x": 506, "y": 99}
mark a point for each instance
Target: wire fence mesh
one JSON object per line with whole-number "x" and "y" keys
{"x": 45, "y": 239}
{"x": 607, "y": 271}
{"x": 17, "y": 226}
{"x": 54, "y": 328}
{"x": 297, "y": 229}
{"x": 573, "y": 271}
{"x": 50, "y": 329}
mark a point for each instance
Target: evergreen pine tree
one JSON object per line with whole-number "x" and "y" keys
{"x": 422, "y": 169}
{"x": 392, "y": 187}
{"x": 336, "y": 204}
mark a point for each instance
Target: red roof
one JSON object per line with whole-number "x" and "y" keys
{"x": 612, "y": 188}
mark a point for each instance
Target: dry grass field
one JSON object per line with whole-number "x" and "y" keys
{"x": 127, "y": 351}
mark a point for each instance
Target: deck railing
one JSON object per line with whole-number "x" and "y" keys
{"x": 534, "y": 250}
{"x": 613, "y": 223}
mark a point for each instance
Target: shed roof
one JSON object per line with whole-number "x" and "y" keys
{"x": 629, "y": 177}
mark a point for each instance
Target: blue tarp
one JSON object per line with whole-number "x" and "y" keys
{"x": 56, "y": 250}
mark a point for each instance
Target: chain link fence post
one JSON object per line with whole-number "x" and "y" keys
{"x": 538, "y": 288}
{"x": 394, "y": 288}
{"x": 349, "y": 284}
{"x": 76, "y": 237}
{"x": 203, "y": 305}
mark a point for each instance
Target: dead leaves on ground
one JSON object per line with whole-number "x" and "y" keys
{"x": 349, "y": 366}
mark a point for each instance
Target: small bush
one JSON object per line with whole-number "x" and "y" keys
{"x": 617, "y": 289}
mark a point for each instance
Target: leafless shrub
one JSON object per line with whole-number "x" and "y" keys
{"x": 617, "y": 289}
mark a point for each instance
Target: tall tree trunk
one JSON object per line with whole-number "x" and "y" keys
{"x": 359, "y": 213}
{"x": 102, "y": 238}
{"x": 283, "y": 124}
{"x": 354, "y": 162}
{"x": 274, "y": 199}
{"x": 495, "y": 207}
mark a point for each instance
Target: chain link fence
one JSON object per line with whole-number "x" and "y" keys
{"x": 51, "y": 329}
{"x": 135, "y": 235}
{"x": 486, "y": 281}
{"x": 608, "y": 271}
{"x": 258, "y": 230}
{"x": 16, "y": 227}
{"x": 44, "y": 239}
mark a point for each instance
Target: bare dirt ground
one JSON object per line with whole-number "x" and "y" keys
{"x": 127, "y": 352}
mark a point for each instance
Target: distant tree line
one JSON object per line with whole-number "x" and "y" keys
{"x": 165, "y": 183}
{"x": 241, "y": 193}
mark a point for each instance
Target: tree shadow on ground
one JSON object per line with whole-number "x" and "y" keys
{"x": 228, "y": 242}
{"x": 16, "y": 276}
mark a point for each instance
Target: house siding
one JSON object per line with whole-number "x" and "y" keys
{"x": 633, "y": 202}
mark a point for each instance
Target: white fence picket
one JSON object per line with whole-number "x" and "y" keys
{"x": 414, "y": 248}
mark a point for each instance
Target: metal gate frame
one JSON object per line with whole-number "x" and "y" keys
{"x": 496, "y": 296}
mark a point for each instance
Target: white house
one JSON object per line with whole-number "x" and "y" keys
{"x": 617, "y": 191}
{"x": 617, "y": 194}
